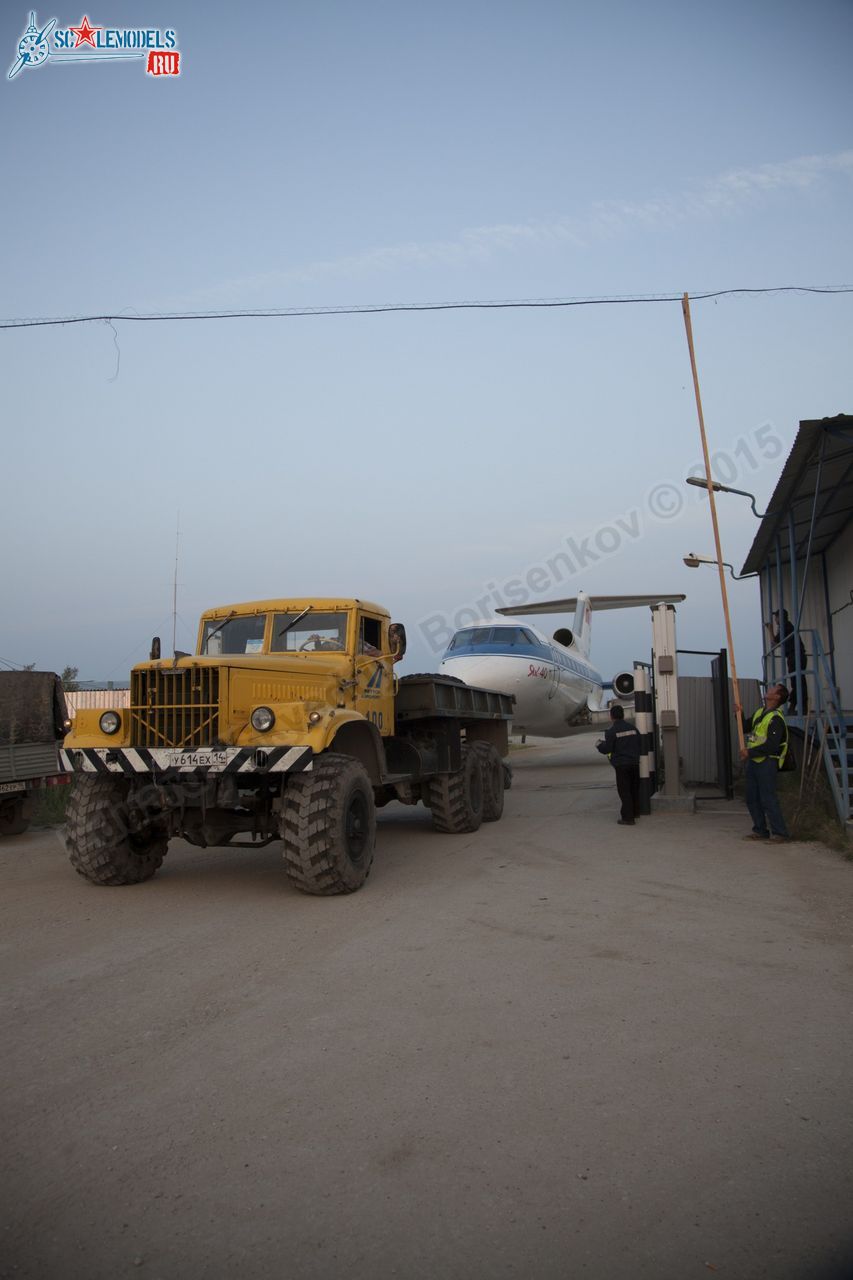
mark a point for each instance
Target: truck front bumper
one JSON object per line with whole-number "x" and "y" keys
{"x": 136, "y": 761}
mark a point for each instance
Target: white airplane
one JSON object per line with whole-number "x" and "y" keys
{"x": 553, "y": 681}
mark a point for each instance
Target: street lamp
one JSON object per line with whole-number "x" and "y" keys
{"x": 701, "y": 483}
{"x": 693, "y": 562}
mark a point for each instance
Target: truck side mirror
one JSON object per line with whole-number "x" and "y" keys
{"x": 155, "y": 649}
{"x": 397, "y": 640}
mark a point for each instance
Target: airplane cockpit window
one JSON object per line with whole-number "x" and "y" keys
{"x": 478, "y": 636}
{"x": 471, "y": 635}
{"x": 512, "y": 635}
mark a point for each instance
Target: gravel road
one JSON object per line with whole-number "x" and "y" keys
{"x": 554, "y": 1048}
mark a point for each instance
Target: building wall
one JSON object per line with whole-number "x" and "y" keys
{"x": 85, "y": 699}
{"x": 836, "y": 584}
{"x": 839, "y": 574}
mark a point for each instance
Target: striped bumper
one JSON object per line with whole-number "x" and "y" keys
{"x": 134, "y": 761}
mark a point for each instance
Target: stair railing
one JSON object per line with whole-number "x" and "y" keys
{"x": 830, "y": 721}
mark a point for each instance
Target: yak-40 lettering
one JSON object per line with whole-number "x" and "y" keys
{"x": 287, "y": 724}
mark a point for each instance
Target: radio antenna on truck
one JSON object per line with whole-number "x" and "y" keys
{"x": 175, "y": 587}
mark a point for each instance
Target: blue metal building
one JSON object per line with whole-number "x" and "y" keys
{"x": 803, "y": 554}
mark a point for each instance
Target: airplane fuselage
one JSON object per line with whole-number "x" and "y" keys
{"x": 552, "y": 684}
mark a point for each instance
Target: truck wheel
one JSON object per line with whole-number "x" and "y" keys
{"x": 328, "y": 825}
{"x": 456, "y": 799}
{"x": 14, "y": 817}
{"x": 104, "y": 842}
{"x": 493, "y": 780}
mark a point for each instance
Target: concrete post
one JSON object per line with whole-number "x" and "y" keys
{"x": 643, "y": 721}
{"x": 666, "y": 693}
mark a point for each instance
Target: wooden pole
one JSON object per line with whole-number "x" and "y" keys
{"x": 685, "y": 307}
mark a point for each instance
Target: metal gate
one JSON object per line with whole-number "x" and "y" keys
{"x": 722, "y": 717}
{"x": 706, "y": 726}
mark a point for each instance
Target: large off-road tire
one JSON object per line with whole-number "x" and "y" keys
{"x": 14, "y": 816}
{"x": 106, "y": 843}
{"x": 328, "y": 825}
{"x": 456, "y": 799}
{"x": 493, "y": 780}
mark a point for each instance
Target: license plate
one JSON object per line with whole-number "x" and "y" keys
{"x": 197, "y": 759}
{"x": 7, "y": 787}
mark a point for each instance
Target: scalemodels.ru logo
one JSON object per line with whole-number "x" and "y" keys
{"x": 85, "y": 43}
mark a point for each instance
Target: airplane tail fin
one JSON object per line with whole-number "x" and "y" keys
{"x": 582, "y": 606}
{"x": 582, "y": 626}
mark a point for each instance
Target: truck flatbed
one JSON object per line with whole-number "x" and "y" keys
{"x": 430, "y": 696}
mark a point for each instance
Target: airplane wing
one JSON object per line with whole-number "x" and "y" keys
{"x": 596, "y": 603}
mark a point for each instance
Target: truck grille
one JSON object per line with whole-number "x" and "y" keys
{"x": 174, "y": 707}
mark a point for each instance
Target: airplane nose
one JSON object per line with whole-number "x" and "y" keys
{"x": 487, "y": 672}
{"x": 474, "y": 671}
{"x": 467, "y": 671}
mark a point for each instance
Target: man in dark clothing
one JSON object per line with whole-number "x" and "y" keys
{"x": 764, "y": 754}
{"x": 621, "y": 745}
{"x": 783, "y": 630}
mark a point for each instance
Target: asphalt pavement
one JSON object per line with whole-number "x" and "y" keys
{"x": 553, "y": 1048}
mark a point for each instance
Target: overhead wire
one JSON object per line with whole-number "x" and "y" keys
{"x": 271, "y": 313}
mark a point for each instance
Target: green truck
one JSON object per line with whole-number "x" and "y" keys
{"x": 33, "y": 723}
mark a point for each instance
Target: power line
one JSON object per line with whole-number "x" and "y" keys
{"x": 272, "y": 313}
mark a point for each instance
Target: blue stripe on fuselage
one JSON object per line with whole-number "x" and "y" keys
{"x": 543, "y": 652}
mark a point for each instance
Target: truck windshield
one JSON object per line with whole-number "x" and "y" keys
{"x": 316, "y": 632}
{"x": 237, "y": 635}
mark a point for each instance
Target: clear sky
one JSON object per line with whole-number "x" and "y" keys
{"x": 333, "y": 153}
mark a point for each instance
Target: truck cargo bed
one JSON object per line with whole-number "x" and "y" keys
{"x": 432, "y": 696}
{"x": 32, "y": 714}
{"x": 28, "y": 760}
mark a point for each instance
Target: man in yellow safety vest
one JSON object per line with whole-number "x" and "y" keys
{"x": 764, "y": 755}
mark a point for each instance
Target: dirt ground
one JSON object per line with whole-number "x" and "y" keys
{"x": 554, "y": 1048}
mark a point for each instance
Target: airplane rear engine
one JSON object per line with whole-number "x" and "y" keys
{"x": 623, "y": 684}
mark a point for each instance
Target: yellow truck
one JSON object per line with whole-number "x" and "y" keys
{"x": 288, "y": 723}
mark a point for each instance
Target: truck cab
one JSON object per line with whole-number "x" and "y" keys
{"x": 277, "y": 673}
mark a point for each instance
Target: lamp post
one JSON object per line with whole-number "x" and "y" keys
{"x": 693, "y": 562}
{"x": 701, "y": 483}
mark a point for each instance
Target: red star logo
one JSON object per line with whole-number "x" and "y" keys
{"x": 84, "y": 33}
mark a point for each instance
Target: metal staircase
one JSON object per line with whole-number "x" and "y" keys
{"x": 828, "y": 721}
{"x": 831, "y": 724}
{"x": 839, "y": 765}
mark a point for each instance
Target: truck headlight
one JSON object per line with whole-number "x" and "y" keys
{"x": 262, "y": 719}
{"x": 110, "y": 722}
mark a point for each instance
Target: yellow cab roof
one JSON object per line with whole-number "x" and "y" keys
{"x": 290, "y": 604}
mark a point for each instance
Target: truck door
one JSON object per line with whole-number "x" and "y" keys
{"x": 374, "y": 676}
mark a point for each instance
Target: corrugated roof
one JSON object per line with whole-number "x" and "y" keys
{"x": 821, "y": 458}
